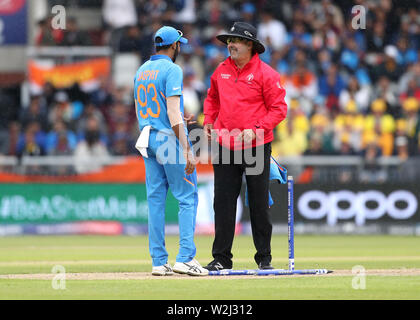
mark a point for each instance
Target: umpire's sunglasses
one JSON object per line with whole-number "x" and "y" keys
{"x": 234, "y": 40}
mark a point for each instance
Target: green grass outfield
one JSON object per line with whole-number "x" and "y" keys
{"x": 392, "y": 266}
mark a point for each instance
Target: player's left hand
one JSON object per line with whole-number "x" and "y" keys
{"x": 248, "y": 135}
{"x": 191, "y": 162}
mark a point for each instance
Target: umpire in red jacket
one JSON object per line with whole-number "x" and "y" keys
{"x": 244, "y": 104}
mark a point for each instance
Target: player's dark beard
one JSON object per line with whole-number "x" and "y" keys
{"x": 176, "y": 52}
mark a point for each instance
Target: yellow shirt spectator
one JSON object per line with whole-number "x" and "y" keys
{"x": 384, "y": 123}
{"x": 290, "y": 144}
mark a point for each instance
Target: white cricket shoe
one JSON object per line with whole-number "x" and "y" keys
{"x": 192, "y": 268}
{"x": 165, "y": 270}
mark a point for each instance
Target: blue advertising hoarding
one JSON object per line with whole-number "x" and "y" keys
{"x": 13, "y": 22}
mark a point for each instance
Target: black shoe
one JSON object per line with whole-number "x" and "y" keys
{"x": 217, "y": 266}
{"x": 264, "y": 265}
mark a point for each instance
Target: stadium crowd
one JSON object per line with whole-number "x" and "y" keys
{"x": 352, "y": 89}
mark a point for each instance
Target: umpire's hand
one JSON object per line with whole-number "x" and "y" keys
{"x": 247, "y": 136}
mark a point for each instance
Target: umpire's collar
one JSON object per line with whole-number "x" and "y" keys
{"x": 160, "y": 56}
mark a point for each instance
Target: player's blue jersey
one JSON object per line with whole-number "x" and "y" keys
{"x": 156, "y": 80}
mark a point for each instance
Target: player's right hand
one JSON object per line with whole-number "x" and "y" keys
{"x": 207, "y": 130}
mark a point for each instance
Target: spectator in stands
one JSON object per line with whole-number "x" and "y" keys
{"x": 121, "y": 143}
{"x": 406, "y": 55}
{"x": 318, "y": 39}
{"x": 34, "y": 112}
{"x": 321, "y": 131}
{"x": 147, "y": 34}
{"x": 188, "y": 60}
{"x": 291, "y": 142}
{"x": 123, "y": 94}
{"x": 407, "y": 167}
{"x": 358, "y": 35}
{"x": 120, "y": 113}
{"x": 372, "y": 171}
{"x": 381, "y": 125}
{"x": 31, "y": 141}
{"x": 156, "y": 8}
{"x": 359, "y": 94}
{"x": 292, "y": 132}
{"x": 4, "y": 142}
{"x": 215, "y": 52}
{"x": 346, "y": 172}
{"x": 386, "y": 90}
{"x": 212, "y": 13}
{"x": 271, "y": 31}
{"x": 73, "y": 36}
{"x": 330, "y": 33}
{"x": 102, "y": 97}
{"x": 48, "y": 94}
{"x": 248, "y": 13}
{"x": 192, "y": 102}
{"x": 302, "y": 85}
{"x": 330, "y": 86}
{"x": 350, "y": 55}
{"x": 47, "y": 35}
{"x": 401, "y": 144}
{"x": 411, "y": 115}
{"x": 303, "y": 58}
{"x": 13, "y": 138}
{"x": 90, "y": 154}
{"x": 32, "y": 144}
{"x": 60, "y": 140}
{"x": 89, "y": 111}
{"x": 298, "y": 39}
{"x": 314, "y": 145}
{"x": 323, "y": 62}
{"x": 348, "y": 127}
{"x": 410, "y": 27}
{"x": 195, "y": 43}
{"x": 185, "y": 12}
{"x": 389, "y": 66}
{"x": 305, "y": 12}
{"x": 346, "y": 149}
{"x": 320, "y": 125}
{"x": 376, "y": 38}
{"x": 78, "y": 96}
{"x": 279, "y": 62}
{"x": 412, "y": 91}
{"x": 409, "y": 83}
{"x": 64, "y": 110}
{"x": 118, "y": 14}
{"x": 213, "y": 48}
{"x": 326, "y": 11}
{"x": 131, "y": 41}
{"x": 6, "y": 110}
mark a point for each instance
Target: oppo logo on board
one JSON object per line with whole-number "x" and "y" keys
{"x": 345, "y": 204}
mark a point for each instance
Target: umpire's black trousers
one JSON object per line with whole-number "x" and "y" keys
{"x": 227, "y": 187}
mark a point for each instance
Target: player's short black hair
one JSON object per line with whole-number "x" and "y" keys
{"x": 160, "y": 48}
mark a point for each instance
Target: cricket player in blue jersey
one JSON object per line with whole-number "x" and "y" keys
{"x": 167, "y": 153}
